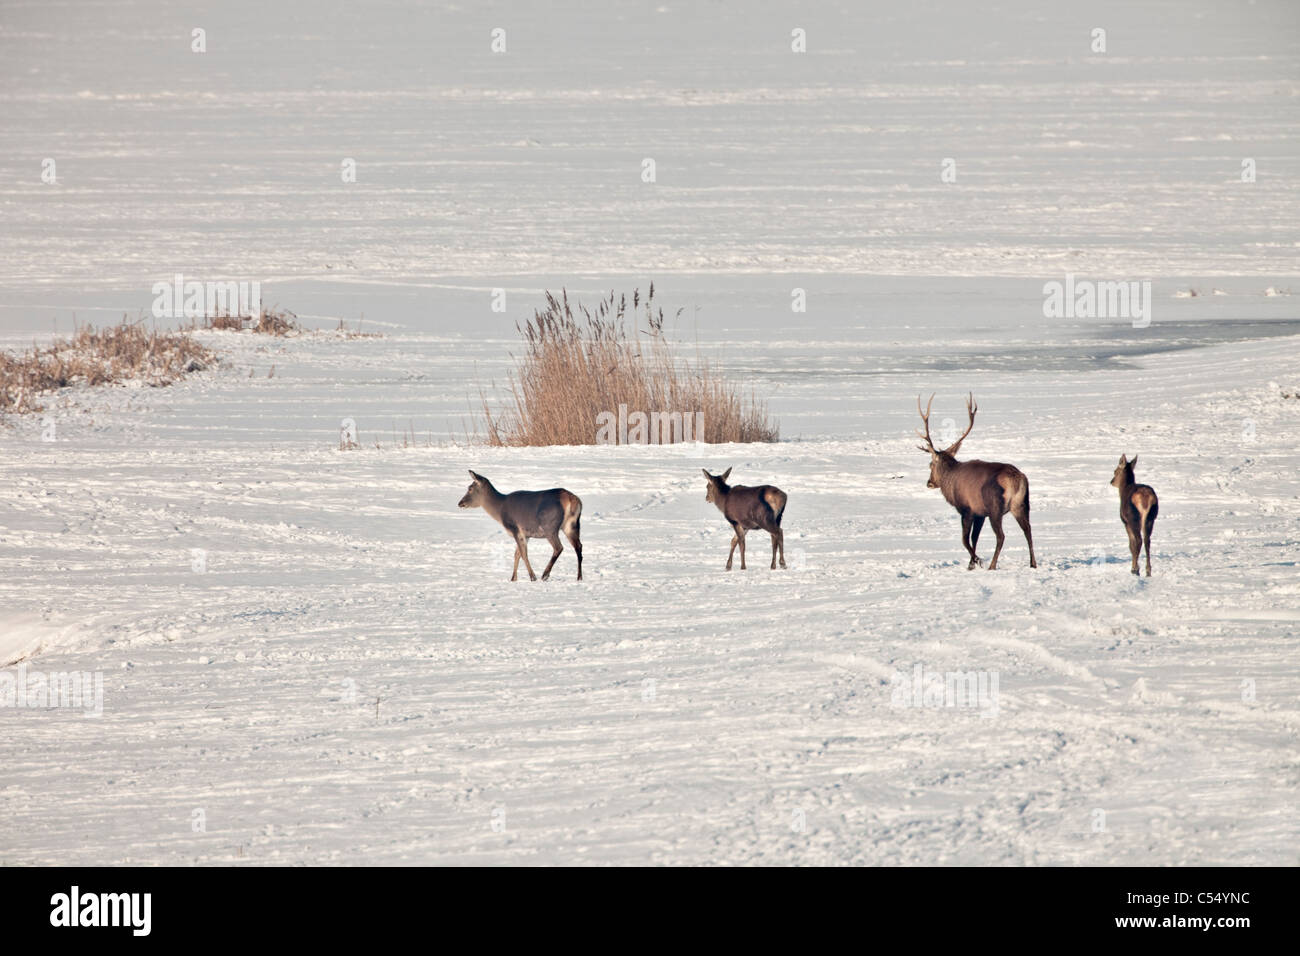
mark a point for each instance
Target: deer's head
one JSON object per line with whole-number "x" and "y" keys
{"x": 1124, "y": 472}
{"x": 474, "y": 493}
{"x": 717, "y": 486}
{"x": 937, "y": 467}
{"x": 942, "y": 459}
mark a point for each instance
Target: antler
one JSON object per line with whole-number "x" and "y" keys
{"x": 971, "y": 409}
{"x": 925, "y": 418}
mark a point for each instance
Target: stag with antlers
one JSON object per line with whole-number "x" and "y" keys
{"x": 977, "y": 489}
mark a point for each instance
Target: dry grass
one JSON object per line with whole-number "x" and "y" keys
{"x": 344, "y": 331}
{"x": 574, "y": 367}
{"x": 274, "y": 321}
{"x": 91, "y": 356}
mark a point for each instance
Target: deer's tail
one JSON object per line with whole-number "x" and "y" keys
{"x": 775, "y": 499}
{"x": 572, "y": 506}
{"x": 1147, "y": 509}
{"x": 1015, "y": 494}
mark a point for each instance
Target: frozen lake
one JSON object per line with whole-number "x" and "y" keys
{"x": 227, "y": 164}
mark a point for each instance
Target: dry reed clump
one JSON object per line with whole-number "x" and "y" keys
{"x": 276, "y": 321}
{"x": 93, "y": 356}
{"x": 273, "y": 321}
{"x": 576, "y": 367}
{"x": 346, "y": 332}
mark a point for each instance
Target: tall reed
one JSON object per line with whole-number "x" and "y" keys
{"x": 578, "y": 363}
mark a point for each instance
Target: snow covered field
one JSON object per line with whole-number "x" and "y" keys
{"x": 352, "y": 678}
{"x": 311, "y": 655}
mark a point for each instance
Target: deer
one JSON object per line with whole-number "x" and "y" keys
{"x": 747, "y": 509}
{"x": 530, "y": 514}
{"x": 977, "y": 489}
{"x": 1138, "y": 507}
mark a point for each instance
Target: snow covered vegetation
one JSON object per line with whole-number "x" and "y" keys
{"x": 582, "y": 370}
{"x": 128, "y": 352}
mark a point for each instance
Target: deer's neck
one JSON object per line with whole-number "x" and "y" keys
{"x": 494, "y": 503}
{"x": 948, "y": 480}
{"x": 720, "y": 498}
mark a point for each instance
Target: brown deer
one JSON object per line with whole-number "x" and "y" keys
{"x": 746, "y": 509}
{"x": 530, "y": 514}
{"x": 1138, "y": 507}
{"x": 977, "y": 489}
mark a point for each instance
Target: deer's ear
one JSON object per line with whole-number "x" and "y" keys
{"x": 723, "y": 476}
{"x": 706, "y": 474}
{"x": 1133, "y": 461}
{"x": 475, "y": 475}
{"x": 1122, "y": 461}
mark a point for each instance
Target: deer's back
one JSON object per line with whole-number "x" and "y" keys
{"x": 988, "y": 470}
{"x": 970, "y": 484}
{"x": 752, "y": 507}
{"x": 538, "y": 513}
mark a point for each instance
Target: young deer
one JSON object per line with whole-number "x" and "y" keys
{"x": 977, "y": 489}
{"x": 1138, "y": 507}
{"x": 746, "y": 509}
{"x": 530, "y": 514}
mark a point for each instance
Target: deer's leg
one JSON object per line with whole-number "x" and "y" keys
{"x": 1134, "y": 546}
{"x": 572, "y": 534}
{"x": 773, "y": 534}
{"x": 559, "y": 549}
{"x": 735, "y": 540}
{"x": 976, "y": 526}
{"x": 514, "y": 573}
{"x": 1023, "y": 521}
{"x": 523, "y": 551}
{"x": 995, "y": 519}
{"x": 740, "y": 533}
{"x": 1146, "y": 540}
{"x": 780, "y": 543}
{"x": 965, "y": 539}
